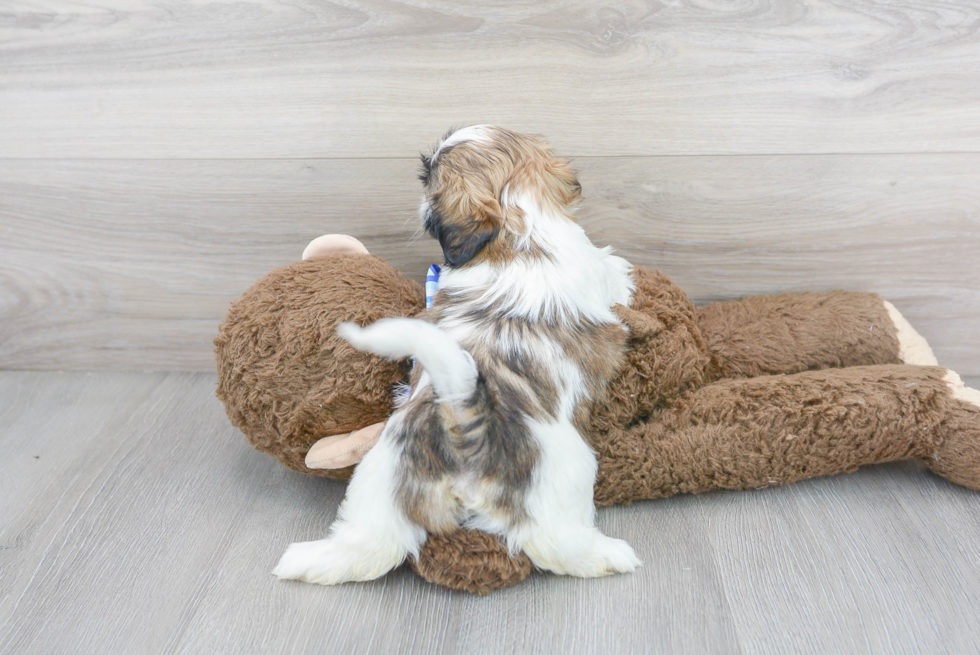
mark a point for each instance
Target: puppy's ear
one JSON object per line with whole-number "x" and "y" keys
{"x": 462, "y": 240}
{"x": 464, "y": 213}
{"x": 563, "y": 185}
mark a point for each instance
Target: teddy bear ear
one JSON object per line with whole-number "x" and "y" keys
{"x": 334, "y": 244}
{"x": 343, "y": 450}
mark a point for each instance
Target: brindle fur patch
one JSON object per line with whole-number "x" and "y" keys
{"x": 484, "y": 438}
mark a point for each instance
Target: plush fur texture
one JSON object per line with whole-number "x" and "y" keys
{"x": 688, "y": 411}
{"x": 472, "y": 561}
{"x": 794, "y": 332}
{"x": 285, "y": 377}
{"x": 772, "y": 430}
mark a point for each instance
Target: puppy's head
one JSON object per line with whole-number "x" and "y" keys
{"x": 481, "y": 184}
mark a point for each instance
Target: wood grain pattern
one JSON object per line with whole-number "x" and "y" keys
{"x": 905, "y": 227}
{"x": 851, "y": 564}
{"x": 130, "y": 265}
{"x": 373, "y": 78}
{"x": 147, "y": 524}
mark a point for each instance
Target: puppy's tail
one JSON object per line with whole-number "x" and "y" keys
{"x": 451, "y": 368}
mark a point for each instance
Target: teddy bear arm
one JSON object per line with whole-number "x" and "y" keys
{"x": 772, "y": 430}
{"x": 664, "y": 354}
{"x": 789, "y": 333}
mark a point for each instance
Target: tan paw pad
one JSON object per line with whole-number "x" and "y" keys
{"x": 959, "y": 390}
{"x": 912, "y": 347}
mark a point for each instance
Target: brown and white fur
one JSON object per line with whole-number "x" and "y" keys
{"x": 523, "y": 342}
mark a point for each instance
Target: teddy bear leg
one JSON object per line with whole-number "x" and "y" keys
{"x": 371, "y": 535}
{"x": 794, "y": 332}
{"x": 956, "y": 456}
{"x": 772, "y": 430}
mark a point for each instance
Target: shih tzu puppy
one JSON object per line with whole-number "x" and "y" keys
{"x": 519, "y": 344}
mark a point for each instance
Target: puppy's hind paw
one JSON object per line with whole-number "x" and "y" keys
{"x": 333, "y": 561}
{"x": 616, "y": 555}
{"x": 301, "y": 560}
{"x": 594, "y": 555}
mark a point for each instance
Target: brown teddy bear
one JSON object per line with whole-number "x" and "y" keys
{"x": 735, "y": 395}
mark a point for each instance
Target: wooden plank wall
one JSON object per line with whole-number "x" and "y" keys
{"x": 156, "y": 156}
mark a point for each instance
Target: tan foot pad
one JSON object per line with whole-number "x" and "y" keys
{"x": 342, "y": 450}
{"x": 912, "y": 346}
{"x": 960, "y": 390}
{"x": 334, "y": 244}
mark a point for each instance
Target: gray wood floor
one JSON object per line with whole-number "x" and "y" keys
{"x": 135, "y": 519}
